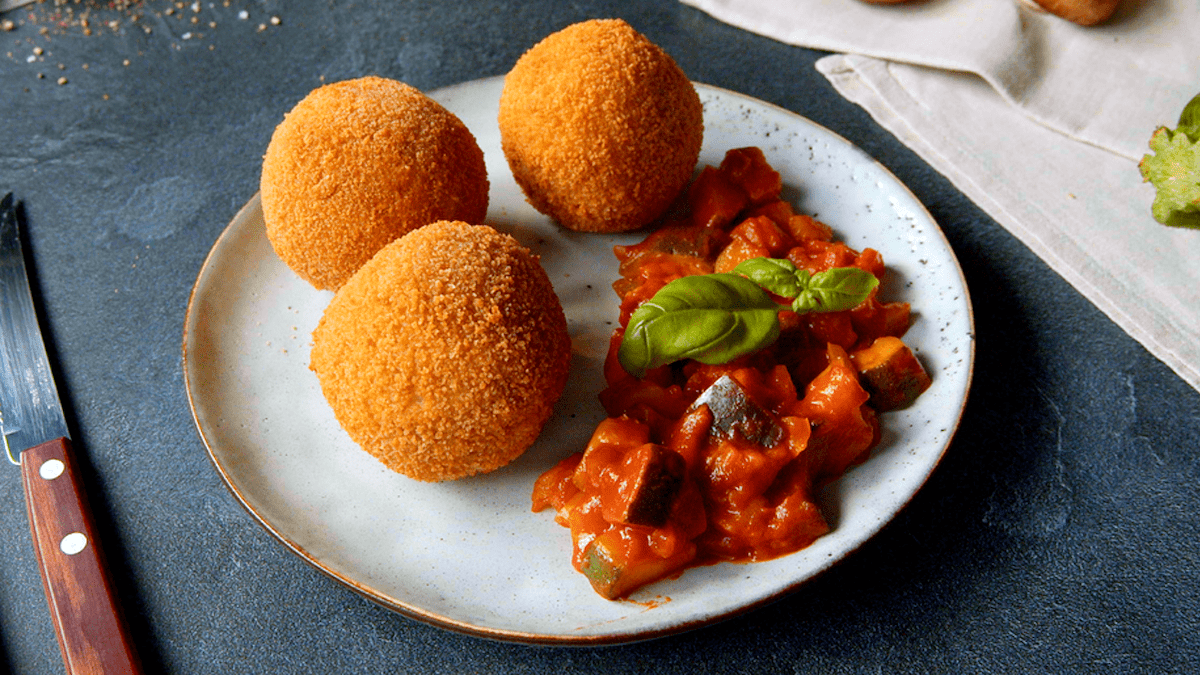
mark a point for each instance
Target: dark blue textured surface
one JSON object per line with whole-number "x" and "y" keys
{"x": 1059, "y": 534}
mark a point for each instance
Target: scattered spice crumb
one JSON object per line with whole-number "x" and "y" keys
{"x": 52, "y": 18}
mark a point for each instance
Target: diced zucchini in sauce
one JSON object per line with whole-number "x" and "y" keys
{"x": 613, "y": 575}
{"x": 891, "y": 373}
{"x": 734, "y": 414}
{"x": 649, "y": 478}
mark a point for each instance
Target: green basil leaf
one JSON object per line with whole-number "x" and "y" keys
{"x": 835, "y": 290}
{"x": 777, "y": 275}
{"x": 712, "y": 318}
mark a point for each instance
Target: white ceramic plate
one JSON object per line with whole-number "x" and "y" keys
{"x": 470, "y": 555}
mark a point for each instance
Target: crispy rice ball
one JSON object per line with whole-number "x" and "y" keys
{"x": 600, "y": 127}
{"x": 357, "y": 164}
{"x": 444, "y": 355}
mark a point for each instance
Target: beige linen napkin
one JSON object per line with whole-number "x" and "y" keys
{"x": 1039, "y": 121}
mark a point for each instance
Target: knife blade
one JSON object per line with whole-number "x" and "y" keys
{"x": 92, "y": 633}
{"x": 6, "y": 5}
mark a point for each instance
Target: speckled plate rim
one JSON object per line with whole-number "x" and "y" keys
{"x": 944, "y": 336}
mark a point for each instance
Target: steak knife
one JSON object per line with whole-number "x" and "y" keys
{"x": 92, "y": 634}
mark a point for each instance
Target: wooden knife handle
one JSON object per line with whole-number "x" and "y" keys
{"x": 87, "y": 617}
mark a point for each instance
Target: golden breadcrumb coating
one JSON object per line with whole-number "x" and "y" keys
{"x": 356, "y": 164}
{"x": 600, "y": 127}
{"x": 444, "y": 355}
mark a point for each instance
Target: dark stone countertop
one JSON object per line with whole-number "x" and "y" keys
{"x": 1059, "y": 534}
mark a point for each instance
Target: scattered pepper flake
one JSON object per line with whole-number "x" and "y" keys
{"x": 88, "y": 17}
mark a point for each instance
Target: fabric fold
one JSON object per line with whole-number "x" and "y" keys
{"x": 1103, "y": 85}
{"x": 1039, "y": 122}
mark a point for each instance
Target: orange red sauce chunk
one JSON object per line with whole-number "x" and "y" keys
{"x": 698, "y": 464}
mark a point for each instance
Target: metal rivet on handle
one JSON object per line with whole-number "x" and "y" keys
{"x": 73, "y": 543}
{"x": 51, "y": 469}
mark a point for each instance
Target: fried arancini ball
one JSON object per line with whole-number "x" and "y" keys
{"x": 444, "y": 355}
{"x": 358, "y": 163}
{"x": 600, "y": 127}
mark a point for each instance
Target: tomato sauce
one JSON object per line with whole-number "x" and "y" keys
{"x": 697, "y": 464}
